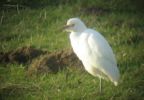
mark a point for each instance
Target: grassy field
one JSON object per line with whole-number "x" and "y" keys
{"x": 41, "y": 28}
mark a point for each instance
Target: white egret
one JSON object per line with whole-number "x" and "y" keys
{"x": 93, "y": 50}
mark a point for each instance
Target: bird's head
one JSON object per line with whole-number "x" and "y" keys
{"x": 74, "y": 25}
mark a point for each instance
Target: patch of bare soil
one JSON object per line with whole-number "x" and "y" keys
{"x": 20, "y": 55}
{"x": 53, "y": 62}
{"x": 39, "y": 61}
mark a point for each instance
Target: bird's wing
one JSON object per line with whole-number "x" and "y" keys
{"x": 102, "y": 56}
{"x": 100, "y": 47}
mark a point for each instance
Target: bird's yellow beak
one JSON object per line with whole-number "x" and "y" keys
{"x": 67, "y": 26}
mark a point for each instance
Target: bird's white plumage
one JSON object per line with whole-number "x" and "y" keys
{"x": 93, "y": 50}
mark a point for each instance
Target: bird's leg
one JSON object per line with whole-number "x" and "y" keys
{"x": 100, "y": 84}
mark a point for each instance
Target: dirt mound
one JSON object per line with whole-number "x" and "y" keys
{"x": 53, "y": 62}
{"x": 39, "y": 61}
{"x": 20, "y": 55}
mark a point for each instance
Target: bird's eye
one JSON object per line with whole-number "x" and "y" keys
{"x": 72, "y": 25}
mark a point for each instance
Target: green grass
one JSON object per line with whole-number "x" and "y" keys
{"x": 41, "y": 28}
